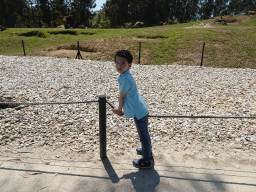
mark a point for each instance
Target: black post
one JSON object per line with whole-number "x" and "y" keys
{"x": 102, "y": 125}
{"x": 139, "y": 51}
{"x": 79, "y": 56}
{"x": 23, "y": 47}
{"x": 202, "y": 56}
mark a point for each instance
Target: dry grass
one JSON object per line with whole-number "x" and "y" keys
{"x": 98, "y": 49}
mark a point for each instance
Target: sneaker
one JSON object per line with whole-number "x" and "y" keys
{"x": 139, "y": 151}
{"x": 140, "y": 163}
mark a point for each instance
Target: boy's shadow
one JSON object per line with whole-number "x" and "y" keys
{"x": 144, "y": 179}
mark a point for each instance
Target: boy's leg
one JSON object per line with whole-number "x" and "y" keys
{"x": 142, "y": 128}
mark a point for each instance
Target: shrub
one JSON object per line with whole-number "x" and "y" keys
{"x": 175, "y": 21}
{"x": 100, "y": 21}
{"x": 64, "y": 32}
{"x": 128, "y": 25}
{"x": 3, "y": 28}
{"x": 34, "y": 33}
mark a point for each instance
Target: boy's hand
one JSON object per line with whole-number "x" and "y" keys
{"x": 118, "y": 112}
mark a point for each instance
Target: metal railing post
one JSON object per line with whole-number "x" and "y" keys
{"x": 23, "y": 47}
{"x": 139, "y": 50}
{"x": 78, "y": 55}
{"x": 102, "y": 125}
{"x": 202, "y": 56}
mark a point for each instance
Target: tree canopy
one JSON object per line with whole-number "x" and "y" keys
{"x": 51, "y": 13}
{"x": 152, "y": 12}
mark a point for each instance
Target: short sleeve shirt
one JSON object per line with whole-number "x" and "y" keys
{"x": 134, "y": 104}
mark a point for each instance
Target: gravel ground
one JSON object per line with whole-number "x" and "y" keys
{"x": 167, "y": 90}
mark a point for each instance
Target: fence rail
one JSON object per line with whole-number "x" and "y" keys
{"x": 203, "y": 117}
{"x": 45, "y": 103}
{"x": 192, "y": 116}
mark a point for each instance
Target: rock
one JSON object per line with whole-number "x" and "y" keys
{"x": 237, "y": 146}
{"x": 167, "y": 90}
{"x": 237, "y": 140}
{"x": 61, "y": 27}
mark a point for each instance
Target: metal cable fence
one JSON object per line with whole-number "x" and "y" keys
{"x": 194, "y": 117}
{"x": 49, "y": 123}
{"x": 44, "y": 103}
{"x": 217, "y": 53}
{"x": 103, "y": 116}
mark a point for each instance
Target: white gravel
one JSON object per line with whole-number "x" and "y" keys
{"x": 167, "y": 90}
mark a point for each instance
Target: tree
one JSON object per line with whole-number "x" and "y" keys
{"x": 150, "y": 12}
{"x": 58, "y": 12}
{"x": 46, "y": 12}
{"x": 183, "y": 10}
{"x": 219, "y": 5}
{"x": 206, "y": 9}
{"x": 11, "y": 11}
{"x": 162, "y": 10}
{"x": 81, "y": 10}
{"x": 117, "y": 12}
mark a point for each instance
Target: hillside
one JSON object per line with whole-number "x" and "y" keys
{"x": 231, "y": 45}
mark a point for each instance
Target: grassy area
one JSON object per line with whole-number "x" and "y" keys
{"x": 232, "y": 46}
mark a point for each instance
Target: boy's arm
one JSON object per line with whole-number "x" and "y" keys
{"x": 121, "y": 100}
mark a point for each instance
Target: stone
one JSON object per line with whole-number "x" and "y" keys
{"x": 237, "y": 140}
{"x": 167, "y": 90}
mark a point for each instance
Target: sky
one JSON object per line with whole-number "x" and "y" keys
{"x": 99, "y": 3}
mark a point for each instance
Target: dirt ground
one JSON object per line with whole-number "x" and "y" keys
{"x": 176, "y": 169}
{"x": 93, "y": 49}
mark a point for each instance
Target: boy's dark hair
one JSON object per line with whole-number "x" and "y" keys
{"x": 125, "y": 54}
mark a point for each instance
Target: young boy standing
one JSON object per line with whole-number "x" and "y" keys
{"x": 134, "y": 107}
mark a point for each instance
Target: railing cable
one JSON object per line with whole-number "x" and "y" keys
{"x": 193, "y": 117}
{"x": 44, "y": 103}
{"x": 213, "y": 117}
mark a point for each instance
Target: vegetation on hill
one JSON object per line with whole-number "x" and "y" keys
{"x": 232, "y": 45}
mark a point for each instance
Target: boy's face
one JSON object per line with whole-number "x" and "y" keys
{"x": 122, "y": 64}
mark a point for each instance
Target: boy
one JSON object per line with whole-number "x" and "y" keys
{"x": 134, "y": 107}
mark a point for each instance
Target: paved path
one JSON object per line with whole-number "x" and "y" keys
{"x": 52, "y": 171}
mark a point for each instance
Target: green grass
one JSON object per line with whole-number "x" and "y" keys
{"x": 232, "y": 46}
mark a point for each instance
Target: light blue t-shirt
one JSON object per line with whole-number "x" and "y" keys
{"x": 134, "y": 104}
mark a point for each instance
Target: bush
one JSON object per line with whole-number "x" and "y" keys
{"x": 100, "y": 21}
{"x": 128, "y": 25}
{"x": 176, "y": 21}
{"x": 2, "y": 28}
{"x": 65, "y": 32}
{"x": 34, "y": 33}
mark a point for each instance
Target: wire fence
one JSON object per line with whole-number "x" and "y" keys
{"x": 103, "y": 116}
{"x": 15, "y": 104}
{"x": 217, "y": 53}
{"x": 43, "y": 103}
